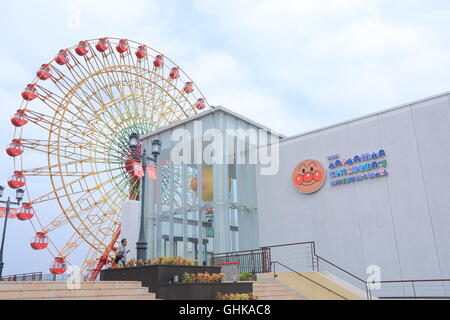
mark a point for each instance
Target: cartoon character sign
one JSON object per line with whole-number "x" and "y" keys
{"x": 308, "y": 176}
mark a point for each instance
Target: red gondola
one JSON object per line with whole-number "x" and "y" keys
{"x": 81, "y": 49}
{"x": 25, "y": 212}
{"x": 39, "y": 241}
{"x": 44, "y": 72}
{"x": 62, "y": 58}
{"x": 141, "y": 52}
{"x": 15, "y": 148}
{"x": 188, "y": 87}
{"x": 17, "y": 180}
{"x": 29, "y": 93}
{"x": 175, "y": 73}
{"x": 19, "y": 118}
{"x": 58, "y": 266}
{"x": 102, "y": 45}
{"x": 123, "y": 46}
{"x": 200, "y": 104}
{"x": 159, "y": 61}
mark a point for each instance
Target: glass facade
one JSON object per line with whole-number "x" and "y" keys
{"x": 197, "y": 208}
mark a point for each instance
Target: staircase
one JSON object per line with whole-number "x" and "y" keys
{"x": 315, "y": 285}
{"x": 273, "y": 290}
{"x": 88, "y": 290}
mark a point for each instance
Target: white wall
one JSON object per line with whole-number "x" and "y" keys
{"x": 129, "y": 225}
{"x": 400, "y": 222}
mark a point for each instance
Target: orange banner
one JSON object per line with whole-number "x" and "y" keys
{"x": 151, "y": 172}
{"x": 11, "y": 215}
{"x": 137, "y": 168}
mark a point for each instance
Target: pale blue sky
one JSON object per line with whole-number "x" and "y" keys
{"x": 292, "y": 65}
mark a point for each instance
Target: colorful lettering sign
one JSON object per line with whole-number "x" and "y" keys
{"x": 359, "y": 168}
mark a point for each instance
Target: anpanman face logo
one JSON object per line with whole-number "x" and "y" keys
{"x": 308, "y": 176}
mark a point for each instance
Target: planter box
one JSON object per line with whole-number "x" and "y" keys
{"x": 153, "y": 275}
{"x": 201, "y": 291}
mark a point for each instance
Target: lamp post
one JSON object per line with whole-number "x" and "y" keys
{"x": 19, "y": 197}
{"x": 141, "y": 245}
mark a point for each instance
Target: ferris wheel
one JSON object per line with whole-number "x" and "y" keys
{"x": 71, "y": 132}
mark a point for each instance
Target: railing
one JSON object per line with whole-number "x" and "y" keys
{"x": 255, "y": 261}
{"x": 35, "y": 276}
{"x": 415, "y": 289}
{"x": 346, "y": 275}
{"x": 274, "y": 263}
{"x": 306, "y": 259}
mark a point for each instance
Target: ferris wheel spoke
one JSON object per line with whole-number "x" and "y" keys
{"x": 94, "y": 224}
{"x": 73, "y": 131}
{"x": 87, "y": 77}
{"x": 56, "y": 103}
{"x": 68, "y": 169}
{"x": 69, "y": 150}
{"x": 68, "y": 87}
{"x": 82, "y": 233}
{"x": 102, "y": 63}
{"x": 70, "y": 214}
{"x": 71, "y": 188}
{"x": 46, "y": 122}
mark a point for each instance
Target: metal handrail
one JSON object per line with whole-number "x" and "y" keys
{"x": 339, "y": 268}
{"x": 33, "y": 276}
{"x": 238, "y": 252}
{"x": 303, "y": 276}
{"x": 414, "y": 280}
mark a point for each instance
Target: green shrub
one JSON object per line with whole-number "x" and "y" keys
{"x": 247, "y": 275}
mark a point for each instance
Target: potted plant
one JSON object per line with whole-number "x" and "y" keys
{"x": 247, "y": 276}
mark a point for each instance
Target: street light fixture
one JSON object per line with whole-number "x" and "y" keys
{"x": 133, "y": 144}
{"x": 19, "y": 195}
{"x": 156, "y": 148}
{"x": 19, "y": 198}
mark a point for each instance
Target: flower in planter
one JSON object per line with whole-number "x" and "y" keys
{"x": 236, "y": 296}
{"x": 217, "y": 277}
{"x": 139, "y": 263}
{"x": 247, "y": 276}
{"x": 187, "y": 278}
{"x": 130, "y": 263}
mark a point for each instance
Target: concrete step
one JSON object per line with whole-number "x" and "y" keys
{"x": 59, "y": 290}
{"x": 285, "y": 297}
{"x": 265, "y": 283}
{"x": 55, "y": 285}
{"x": 272, "y": 290}
{"x": 61, "y": 293}
{"x": 148, "y": 296}
{"x": 274, "y": 293}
